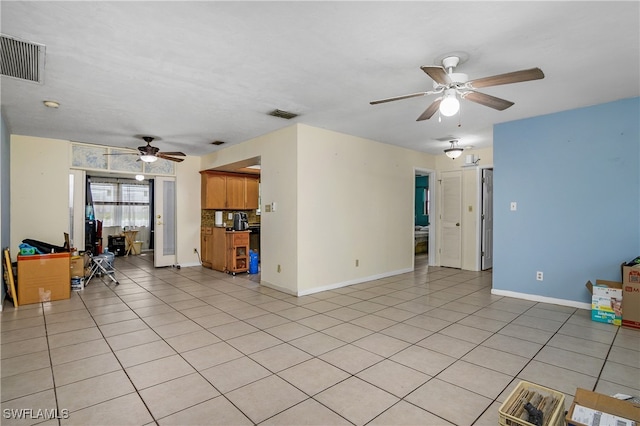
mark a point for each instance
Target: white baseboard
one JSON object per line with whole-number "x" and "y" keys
{"x": 277, "y": 287}
{"x": 542, "y": 299}
{"x": 354, "y": 281}
{"x": 187, "y": 265}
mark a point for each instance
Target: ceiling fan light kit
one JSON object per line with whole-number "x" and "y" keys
{"x": 150, "y": 154}
{"x": 454, "y": 151}
{"x": 450, "y": 105}
{"x": 449, "y": 85}
{"x": 148, "y": 158}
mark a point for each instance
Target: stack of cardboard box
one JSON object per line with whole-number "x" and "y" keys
{"x": 616, "y": 302}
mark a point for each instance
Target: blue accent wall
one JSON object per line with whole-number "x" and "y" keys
{"x": 422, "y": 182}
{"x": 575, "y": 176}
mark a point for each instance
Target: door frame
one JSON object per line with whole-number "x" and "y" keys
{"x": 433, "y": 218}
{"x": 479, "y": 214}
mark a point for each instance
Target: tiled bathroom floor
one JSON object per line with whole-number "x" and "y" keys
{"x": 193, "y": 346}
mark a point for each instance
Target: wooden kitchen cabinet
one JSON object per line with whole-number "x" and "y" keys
{"x": 253, "y": 189}
{"x": 230, "y": 251}
{"x": 225, "y": 191}
{"x": 237, "y": 252}
{"x": 236, "y": 192}
{"x": 206, "y": 246}
{"x": 213, "y": 191}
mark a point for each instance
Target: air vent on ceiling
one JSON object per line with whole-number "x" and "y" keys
{"x": 217, "y": 143}
{"x": 283, "y": 114}
{"x": 21, "y": 59}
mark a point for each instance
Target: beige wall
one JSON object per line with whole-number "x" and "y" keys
{"x": 39, "y": 190}
{"x": 315, "y": 176}
{"x": 278, "y": 184}
{"x": 40, "y": 195}
{"x": 356, "y": 200}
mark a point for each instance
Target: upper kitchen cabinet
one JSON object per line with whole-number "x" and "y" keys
{"x": 253, "y": 190}
{"x": 223, "y": 191}
{"x": 213, "y": 191}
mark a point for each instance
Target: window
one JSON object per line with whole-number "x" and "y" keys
{"x": 425, "y": 199}
{"x": 120, "y": 203}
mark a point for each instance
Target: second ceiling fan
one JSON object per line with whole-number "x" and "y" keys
{"x": 450, "y": 85}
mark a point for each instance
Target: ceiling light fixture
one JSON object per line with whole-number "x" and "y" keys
{"x": 148, "y": 158}
{"x": 450, "y": 105}
{"x": 454, "y": 151}
{"x": 139, "y": 178}
{"x": 51, "y": 104}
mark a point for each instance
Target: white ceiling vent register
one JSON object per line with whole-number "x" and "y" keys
{"x": 22, "y": 59}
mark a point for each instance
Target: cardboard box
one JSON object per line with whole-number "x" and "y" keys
{"x": 606, "y": 301}
{"x": 631, "y": 296}
{"x": 609, "y": 411}
{"x": 77, "y": 265}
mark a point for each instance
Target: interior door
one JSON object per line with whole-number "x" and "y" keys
{"x": 487, "y": 220}
{"x": 164, "y": 252}
{"x": 450, "y": 220}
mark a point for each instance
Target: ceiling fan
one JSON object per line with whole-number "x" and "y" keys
{"x": 451, "y": 85}
{"x": 149, "y": 154}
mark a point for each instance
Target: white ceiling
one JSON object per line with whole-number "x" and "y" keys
{"x": 194, "y": 72}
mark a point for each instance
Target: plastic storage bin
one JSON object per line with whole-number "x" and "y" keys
{"x": 253, "y": 262}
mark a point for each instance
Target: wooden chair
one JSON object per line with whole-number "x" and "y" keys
{"x": 9, "y": 278}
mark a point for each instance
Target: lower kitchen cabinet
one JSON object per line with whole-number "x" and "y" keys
{"x": 206, "y": 246}
{"x": 237, "y": 252}
{"x": 230, "y": 251}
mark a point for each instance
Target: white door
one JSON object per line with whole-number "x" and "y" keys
{"x": 450, "y": 218}
{"x": 164, "y": 251}
{"x": 487, "y": 220}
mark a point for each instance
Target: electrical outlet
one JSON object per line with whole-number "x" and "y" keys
{"x": 279, "y": 268}
{"x": 514, "y": 206}
{"x": 539, "y": 276}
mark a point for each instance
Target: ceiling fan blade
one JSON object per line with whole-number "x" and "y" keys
{"x": 428, "y": 113}
{"x": 508, "y": 78}
{"x": 166, "y": 157}
{"x": 487, "y": 100}
{"x": 173, "y": 153}
{"x": 438, "y": 74}
{"x": 397, "y": 98}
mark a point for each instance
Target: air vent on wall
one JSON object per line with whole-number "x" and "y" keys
{"x": 22, "y": 60}
{"x": 283, "y": 114}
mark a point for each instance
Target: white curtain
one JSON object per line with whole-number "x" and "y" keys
{"x": 120, "y": 202}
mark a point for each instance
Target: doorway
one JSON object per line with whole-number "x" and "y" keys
{"x": 486, "y": 217}
{"x": 423, "y": 217}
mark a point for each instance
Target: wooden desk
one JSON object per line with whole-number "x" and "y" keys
{"x": 43, "y": 278}
{"x": 130, "y": 238}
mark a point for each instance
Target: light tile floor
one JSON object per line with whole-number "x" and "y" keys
{"x": 193, "y": 346}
